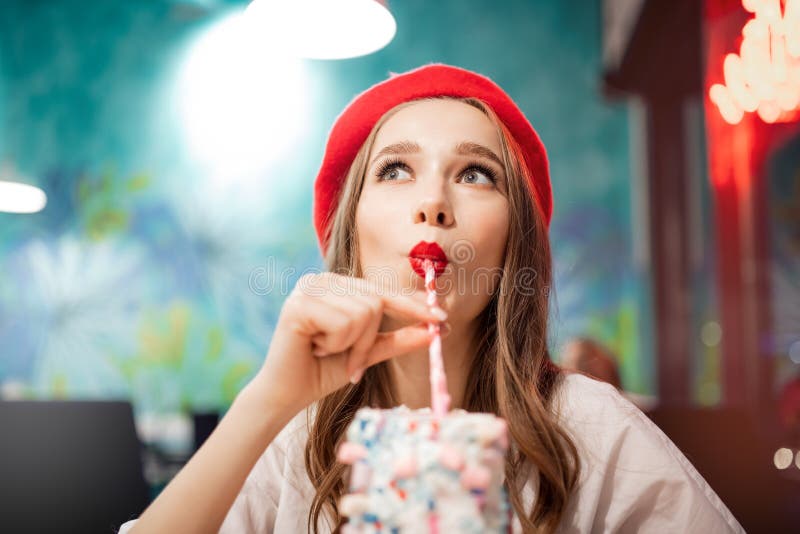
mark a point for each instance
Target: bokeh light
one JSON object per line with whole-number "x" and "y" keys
{"x": 242, "y": 102}
{"x": 711, "y": 334}
{"x": 794, "y": 352}
{"x": 783, "y": 458}
{"x": 764, "y": 77}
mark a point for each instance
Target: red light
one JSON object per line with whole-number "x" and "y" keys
{"x": 764, "y": 77}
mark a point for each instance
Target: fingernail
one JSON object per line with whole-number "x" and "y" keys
{"x": 439, "y": 313}
{"x": 319, "y": 351}
{"x": 355, "y": 377}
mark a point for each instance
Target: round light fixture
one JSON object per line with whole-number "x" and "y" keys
{"x": 16, "y": 196}
{"x": 324, "y": 29}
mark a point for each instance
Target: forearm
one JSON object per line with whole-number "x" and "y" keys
{"x": 200, "y": 495}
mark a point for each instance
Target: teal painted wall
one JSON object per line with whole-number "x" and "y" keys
{"x": 137, "y": 280}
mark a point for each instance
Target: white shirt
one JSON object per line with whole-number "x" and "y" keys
{"x": 632, "y": 477}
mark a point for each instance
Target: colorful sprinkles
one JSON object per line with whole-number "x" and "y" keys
{"x": 411, "y": 469}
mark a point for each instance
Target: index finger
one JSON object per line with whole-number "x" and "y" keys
{"x": 404, "y": 307}
{"x": 395, "y": 303}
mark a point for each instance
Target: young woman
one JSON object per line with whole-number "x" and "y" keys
{"x": 436, "y": 162}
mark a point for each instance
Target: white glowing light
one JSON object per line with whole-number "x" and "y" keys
{"x": 797, "y": 460}
{"x": 242, "y": 102}
{"x": 21, "y": 198}
{"x": 765, "y": 76}
{"x": 783, "y": 458}
{"x": 325, "y": 29}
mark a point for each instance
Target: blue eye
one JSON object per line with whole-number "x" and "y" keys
{"x": 390, "y": 170}
{"x": 475, "y": 170}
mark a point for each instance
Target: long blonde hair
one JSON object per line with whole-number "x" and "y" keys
{"x": 511, "y": 376}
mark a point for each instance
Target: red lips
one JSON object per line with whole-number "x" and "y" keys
{"x": 427, "y": 251}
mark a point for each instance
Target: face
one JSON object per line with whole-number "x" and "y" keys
{"x": 583, "y": 357}
{"x": 434, "y": 174}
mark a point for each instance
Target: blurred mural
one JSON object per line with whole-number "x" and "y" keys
{"x": 178, "y": 166}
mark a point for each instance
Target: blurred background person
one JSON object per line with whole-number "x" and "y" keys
{"x": 592, "y": 358}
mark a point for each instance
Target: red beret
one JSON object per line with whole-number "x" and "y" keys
{"x": 356, "y": 121}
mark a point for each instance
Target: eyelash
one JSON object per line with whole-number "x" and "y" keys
{"x": 390, "y": 164}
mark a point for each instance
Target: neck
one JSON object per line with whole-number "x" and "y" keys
{"x": 410, "y": 372}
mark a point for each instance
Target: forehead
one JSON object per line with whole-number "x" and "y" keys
{"x": 439, "y": 123}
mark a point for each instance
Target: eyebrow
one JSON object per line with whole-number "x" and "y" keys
{"x": 464, "y": 148}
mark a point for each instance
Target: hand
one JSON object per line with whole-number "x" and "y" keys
{"x": 328, "y": 333}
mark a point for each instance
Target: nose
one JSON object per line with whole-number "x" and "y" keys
{"x": 434, "y": 210}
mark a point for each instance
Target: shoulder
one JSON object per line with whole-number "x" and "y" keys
{"x": 632, "y": 475}
{"x": 583, "y": 403}
{"x": 599, "y": 419}
{"x": 608, "y": 429}
{"x": 574, "y": 390}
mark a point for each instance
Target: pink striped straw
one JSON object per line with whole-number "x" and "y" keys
{"x": 440, "y": 398}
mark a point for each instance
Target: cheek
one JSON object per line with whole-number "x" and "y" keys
{"x": 364, "y": 230}
{"x": 374, "y": 228}
{"x": 485, "y": 239}
{"x": 490, "y": 232}
{"x": 492, "y": 261}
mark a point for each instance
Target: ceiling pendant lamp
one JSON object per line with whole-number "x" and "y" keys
{"x": 323, "y": 29}
{"x": 16, "y": 196}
